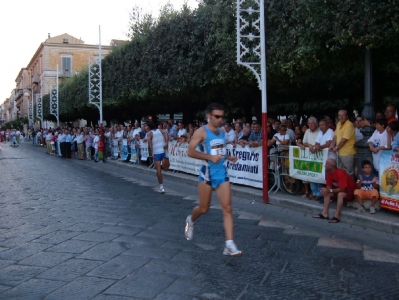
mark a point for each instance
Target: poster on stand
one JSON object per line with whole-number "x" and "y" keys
{"x": 389, "y": 180}
{"x": 308, "y": 166}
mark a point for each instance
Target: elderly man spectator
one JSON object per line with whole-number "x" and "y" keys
{"x": 255, "y": 138}
{"x": 309, "y": 141}
{"x": 230, "y": 134}
{"x": 244, "y": 139}
{"x": 390, "y": 113}
{"x": 358, "y": 125}
{"x": 340, "y": 186}
{"x": 344, "y": 143}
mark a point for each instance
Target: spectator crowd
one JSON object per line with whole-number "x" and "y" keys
{"x": 123, "y": 143}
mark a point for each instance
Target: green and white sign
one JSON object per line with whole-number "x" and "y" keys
{"x": 308, "y": 166}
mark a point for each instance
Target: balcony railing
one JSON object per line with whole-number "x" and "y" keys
{"x": 65, "y": 73}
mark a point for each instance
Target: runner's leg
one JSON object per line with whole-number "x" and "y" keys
{"x": 204, "y": 194}
{"x": 224, "y": 194}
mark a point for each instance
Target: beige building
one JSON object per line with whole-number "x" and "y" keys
{"x": 70, "y": 54}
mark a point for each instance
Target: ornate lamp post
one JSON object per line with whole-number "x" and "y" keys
{"x": 95, "y": 82}
{"x": 54, "y": 110}
{"x": 251, "y": 53}
{"x": 30, "y": 105}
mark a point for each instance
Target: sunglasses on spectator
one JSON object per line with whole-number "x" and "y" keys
{"x": 218, "y": 116}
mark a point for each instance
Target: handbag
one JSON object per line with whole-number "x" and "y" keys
{"x": 165, "y": 164}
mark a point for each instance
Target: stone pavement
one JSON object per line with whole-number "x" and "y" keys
{"x": 383, "y": 220}
{"x": 74, "y": 229}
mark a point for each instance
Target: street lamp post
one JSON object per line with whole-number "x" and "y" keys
{"x": 30, "y": 105}
{"x": 95, "y": 82}
{"x": 251, "y": 53}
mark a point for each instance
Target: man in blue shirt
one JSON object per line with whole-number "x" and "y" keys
{"x": 255, "y": 138}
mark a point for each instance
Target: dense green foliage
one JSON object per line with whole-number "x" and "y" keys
{"x": 187, "y": 58}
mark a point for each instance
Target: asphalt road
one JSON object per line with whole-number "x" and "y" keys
{"x": 73, "y": 229}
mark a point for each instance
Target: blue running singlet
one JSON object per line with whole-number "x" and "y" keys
{"x": 213, "y": 174}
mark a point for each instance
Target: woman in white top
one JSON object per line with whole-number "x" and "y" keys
{"x": 281, "y": 138}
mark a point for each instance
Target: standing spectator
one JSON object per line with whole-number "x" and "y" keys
{"x": 255, "y": 139}
{"x": 358, "y": 125}
{"x": 68, "y": 144}
{"x": 80, "y": 143}
{"x": 340, "y": 186}
{"x": 96, "y": 139}
{"x": 309, "y": 141}
{"x": 244, "y": 139}
{"x": 238, "y": 130}
{"x": 390, "y": 113}
{"x": 182, "y": 130}
{"x": 324, "y": 138}
{"x": 49, "y": 135}
{"x": 330, "y": 122}
{"x": 276, "y": 124}
{"x": 88, "y": 139}
{"x": 281, "y": 138}
{"x": 229, "y": 135}
{"x": 344, "y": 143}
{"x": 379, "y": 141}
{"x": 367, "y": 187}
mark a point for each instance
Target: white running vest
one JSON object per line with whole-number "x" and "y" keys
{"x": 158, "y": 142}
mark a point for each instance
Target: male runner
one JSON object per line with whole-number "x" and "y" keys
{"x": 213, "y": 174}
{"x": 157, "y": 144}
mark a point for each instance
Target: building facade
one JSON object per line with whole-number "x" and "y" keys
{"x": 63, "y": 52}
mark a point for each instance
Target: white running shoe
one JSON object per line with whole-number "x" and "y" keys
{"x": 189, "y": 229}
{"x": 162, "y": 191}
{"x": 232, "y": 250}
{"x": 372, "y": 210}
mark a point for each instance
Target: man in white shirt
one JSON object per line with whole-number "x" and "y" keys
{"x": 309, "y": 141}
{"x": 182, "y": 130}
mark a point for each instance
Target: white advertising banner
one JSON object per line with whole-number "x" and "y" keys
{"x": 308, "y": 166}
{"x": 247, "y": 170}
{"x": 144, "y": 150}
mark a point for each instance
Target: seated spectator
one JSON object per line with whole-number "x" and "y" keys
{"x": 255, "y": 138}
{"x": 367, "y": 187}
{"x": 379, "y": 141}
{"x": 244, "y": 139}
{"x": 340, "y": 186}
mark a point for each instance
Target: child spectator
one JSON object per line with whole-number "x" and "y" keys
{"x": 367, "y": 187}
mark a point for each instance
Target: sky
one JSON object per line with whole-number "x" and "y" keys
{"x": 26, "y": 23}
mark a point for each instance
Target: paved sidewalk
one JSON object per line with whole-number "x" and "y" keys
{"x": 383, "y": 220}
